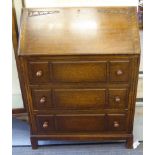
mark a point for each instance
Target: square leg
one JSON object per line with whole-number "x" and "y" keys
{"x": 34, "y": 143}
{"x": 129, "y": 142}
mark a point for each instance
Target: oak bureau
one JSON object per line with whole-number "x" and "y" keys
{"x": 79, "y": 71}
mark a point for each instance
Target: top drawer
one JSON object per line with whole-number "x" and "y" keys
{"x": 78, "y": 71}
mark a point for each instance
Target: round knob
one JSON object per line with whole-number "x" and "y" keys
{"x": 43, "y": 100}
{"x": 119, "y": 72}
{"x": 117, "y": 99}
{"x": 45, "y": 125}
{"x": 39, "y": 73}
{"x": 116, "y": 124}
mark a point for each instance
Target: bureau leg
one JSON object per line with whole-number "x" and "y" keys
{"x": 129, "y": 142}
{"x": 34, "y": 143}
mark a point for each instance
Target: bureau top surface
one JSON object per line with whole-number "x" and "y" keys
{"x": 79, "y": 31}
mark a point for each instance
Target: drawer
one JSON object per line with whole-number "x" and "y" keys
{"x": 71, "y": 123}
{"x": 42, "y": 98}
{"x": 118, "y": 98}
{"x": 119, "y": 71}
{"x": 81, "y": 123}
{"x": 80, "y": 99}
{"x": 79, "y": 71}
{"x": 116, "y": 122}
{"x": 38, "y": 72}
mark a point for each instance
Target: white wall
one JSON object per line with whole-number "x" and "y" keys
{"x": 62, "y": 3}
{"x": 16, "y": 92}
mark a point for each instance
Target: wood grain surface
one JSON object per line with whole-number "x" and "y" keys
{"x": 74, "y": 31}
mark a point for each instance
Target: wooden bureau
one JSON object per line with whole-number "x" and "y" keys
{"x": 79, "y": 72}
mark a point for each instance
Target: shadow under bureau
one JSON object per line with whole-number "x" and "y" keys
{"x": 79, "y": 69}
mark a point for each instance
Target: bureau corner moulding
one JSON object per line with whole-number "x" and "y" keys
{"x": 79, "y": 69}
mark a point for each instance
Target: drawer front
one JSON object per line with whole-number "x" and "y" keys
{"x": 119, "y": 71}
{"x": 79, "y": 71}
{"x": 42, "y": 99}
{"x": 38, "y": 72}
{"x": 118, "y": 98}
{"x": 80, "y": 99}
{"x": 116, "y": 122}
{"x": 81, "y": 123}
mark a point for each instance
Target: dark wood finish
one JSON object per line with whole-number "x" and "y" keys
{"x": 79, "y": 31}
{"x": 71, "y": 123}
{"x": 18, "y": 111}
{"x": 118, "y": 98}
{"x": 80, "y": 123}
{"x": 42, "y": 98}
{"x": 34, "y": 142}
{"x": 116, "y": 122}
{"x": 119, "y": 71}
{"x": 80, "y": 98}
{"x": 84, "y": 137}
{"x": 38, "y": 72}
{"x": 79, "y": 71}
{"x": 129, "y": 142}
{"x": 80, "y": 80}
{"x": 45, "y": 124}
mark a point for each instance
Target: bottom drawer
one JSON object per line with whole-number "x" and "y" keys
{"x": 80, "y": 123}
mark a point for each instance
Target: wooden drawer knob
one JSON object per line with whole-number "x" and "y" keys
{"x": 116, "y": 124}
{"x": 119, "y": 72}
{"x": 45, "y": 125}
{"x": 39, "y": 73}
{"x": 43, "y": 100}
{"x": 117, "y": 99}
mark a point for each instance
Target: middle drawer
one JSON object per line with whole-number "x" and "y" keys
{"x": 80, "y": 99}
